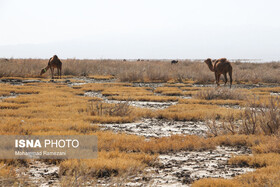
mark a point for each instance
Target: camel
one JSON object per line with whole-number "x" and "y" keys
{"x": 54, "y": 62}
{"x": 174, "y": 61}
{"x": 221, "y": 66}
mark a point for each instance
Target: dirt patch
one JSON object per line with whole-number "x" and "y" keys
{"x": 158, "y": 128}
{"x": 12, "y": 95}
{"x": 275, "y": 94}
{"x": 183, "y": 168}
{"x": 12, "y": 81}
{"x": 186, "y": 167}
{"x": 39, "y": 174}
{"x": 151, "y": 85}
{"x": 92, "y": 80}
{"x": 140, "y": 104}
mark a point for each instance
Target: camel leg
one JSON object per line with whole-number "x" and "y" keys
{"x": 230, "y": 77}
{"x": 218, "y": 79}
{"x": 52, "y": 72}
{"x": 57, "y": 73}
{"x": 225, "y": 75}
{"x": 60, "y": 72}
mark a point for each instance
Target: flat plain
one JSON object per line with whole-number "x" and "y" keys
{"x": 157, "y": 123}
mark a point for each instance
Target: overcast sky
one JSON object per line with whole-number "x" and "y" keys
{"x": 159, "y": 29}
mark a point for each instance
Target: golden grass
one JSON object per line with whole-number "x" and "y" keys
{"x": 109, "y": 141}
{"x": 268, "y": 176}
{"x": 56, "y": 109}
{"x": 215, "y": 183}
{"x": 194, "y": 112}
{"x": 108, "y": 163}
{"x": 270, "y": 146}
{"x": 222, "y": 93}
{"x": 7, "y": 89}
{"x": 258, "y": 160}
{"x": 169, "y": 91}
{"x": 101, "y": 77}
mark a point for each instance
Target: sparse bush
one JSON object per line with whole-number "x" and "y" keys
{"x": 270, "y": 116}
{"x": 103, "y": 109}
{"x": 228, "y": 126}
{"x": 255, "y": 119}
{"x": 220, "y": 93}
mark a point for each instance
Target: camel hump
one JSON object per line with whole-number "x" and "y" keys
{"x": 222, "y": 60}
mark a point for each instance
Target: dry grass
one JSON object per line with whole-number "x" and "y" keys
{"x": 104, "y": 109}
{"x": 54, "y": 108}
{"x": 153, "y": 70}
{"x": 47, "y": 109}
{"x": 258, "y": 160}
{"x": 221, "y": 93}
{"x": 268, "y": 176}
{"x": 268, "y": 161}
{"x": 107, "y": 164}
{"x": 215, "y": 183}
{"x": 195, "y": 112}
{"x": 171, "y": 91}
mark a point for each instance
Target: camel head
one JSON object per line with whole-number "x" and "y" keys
{"x": 208, "y": 61}
{"x": 43, "y": 71}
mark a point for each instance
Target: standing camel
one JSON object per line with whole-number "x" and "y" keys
{"x": 221, "y": 66}
{"x": 54, "y": 62}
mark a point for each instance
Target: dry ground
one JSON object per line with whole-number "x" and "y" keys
{"x": 248, "y": 116}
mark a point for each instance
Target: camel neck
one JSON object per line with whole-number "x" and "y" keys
{"x": 210, "y": 65}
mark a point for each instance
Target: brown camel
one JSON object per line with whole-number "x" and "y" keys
{"x": 54, "y": 62}
{"x": 221, "y": 66}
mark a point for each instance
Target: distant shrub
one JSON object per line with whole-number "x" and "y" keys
{"x": 220, "y": 93}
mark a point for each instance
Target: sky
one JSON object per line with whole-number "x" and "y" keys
{"x": 132, "y": 29}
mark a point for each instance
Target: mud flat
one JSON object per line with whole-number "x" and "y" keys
{"x": 275, "y": 94}
{"x": 140, "y": 104}
{"x": 158, "y": 128}
{"x": 151, "y": 85}
{"x": 183, "y": 168}
{"x": 12, "y": 81}
{"x": 39, "y": 174}
{"x": 12, "y": 95}
{"x": 186, "y": 167}
{"x": 92, "y": 80}
{"x": 146, "y": 104}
